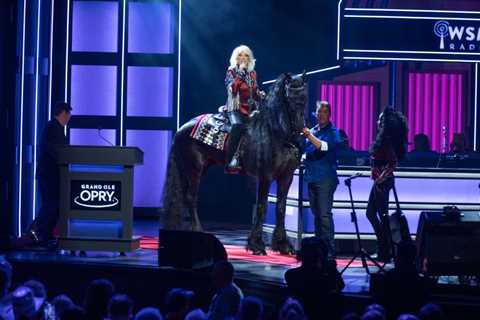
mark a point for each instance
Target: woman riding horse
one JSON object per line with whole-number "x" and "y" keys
{"x": 243, "y": 99}
{"x": 271, "y": 153}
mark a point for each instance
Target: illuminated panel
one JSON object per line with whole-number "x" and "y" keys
{"x": 149, "y": 91}
{"x": 94, "y": 90}
{"x": 150, "y": 177}
{"x": 95, "y": 26}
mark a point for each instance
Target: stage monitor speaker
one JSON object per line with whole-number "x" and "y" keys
{"x": 189, "y": 249}
{"x": 448, "y": 244}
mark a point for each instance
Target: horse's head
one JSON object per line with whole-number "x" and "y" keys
{"x": 296, "y": 95}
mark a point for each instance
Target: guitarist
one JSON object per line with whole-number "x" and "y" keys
{"x": 388, "y": 148}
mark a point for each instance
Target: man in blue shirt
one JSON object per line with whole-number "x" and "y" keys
{"x": 321, "y": 147}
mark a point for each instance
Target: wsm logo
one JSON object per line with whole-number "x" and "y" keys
{"x": 441, "y": 30}
{"x": 459, "y": 37}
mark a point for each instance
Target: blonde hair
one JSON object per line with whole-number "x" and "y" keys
{"x": 236, "y": 52}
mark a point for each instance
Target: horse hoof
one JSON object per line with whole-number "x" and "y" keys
{"x": 257, "y": 251}
{"x": 283, "y": 247}
{"x": 257, "y": 248}
{"x": 288, "y": 251}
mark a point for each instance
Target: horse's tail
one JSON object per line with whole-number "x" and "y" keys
{"x": 173, "y": 199}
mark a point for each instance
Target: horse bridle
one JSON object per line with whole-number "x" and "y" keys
{"x": 289, "y": 94}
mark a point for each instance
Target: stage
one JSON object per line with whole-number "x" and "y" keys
{"x": 138, "y": 273}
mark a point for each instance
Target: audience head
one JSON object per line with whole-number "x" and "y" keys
{"x": 251, "y": 308}
{"x": 25, "y": 305}
{"x": 196, "y": 314}
{"x": 459, "y": 143}
{"x": 148, "y": 314}
{"x": 74, "y": 313}
{"x": 313, "y": 252}
{"x": 376, "y": 307}
{"x": 351, "y": 316}
{"x": 407, "y": 317}
{"x": 37, "y": 288}
{"x": 62, "y": 303}
{"x": 222, "y": 274}
{"x": 120, "y": 307}
{"x": 98, "y": 296}
{"x": 406, "y": 255}
{"x": 5, "y": 276}
{"x": 421, "y": 142}
{"x": 291, "y": 310}
{"x": 373, "y": 315}
{"x": 431, "y": 312}
{"x": 178, "y": 303}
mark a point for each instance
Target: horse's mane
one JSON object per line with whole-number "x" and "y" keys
{"x": 267, "y": 126}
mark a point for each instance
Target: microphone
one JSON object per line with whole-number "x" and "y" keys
{"x": 444, "y": 140}
{"x": 353, "y": 176}
{"x": 102, "y": 137}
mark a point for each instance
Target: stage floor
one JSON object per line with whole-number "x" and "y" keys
{"x": 268, "y": 269}
{"x": 262, "y": 273}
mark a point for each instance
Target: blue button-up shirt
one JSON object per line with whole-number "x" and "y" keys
{"x": 322, "y": 164}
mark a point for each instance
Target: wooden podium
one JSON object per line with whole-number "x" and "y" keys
{"x": 96, "y": 198}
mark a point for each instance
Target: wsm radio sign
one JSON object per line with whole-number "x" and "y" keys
{"x": 457, "y": 37}
{"x": 95, "y": 195}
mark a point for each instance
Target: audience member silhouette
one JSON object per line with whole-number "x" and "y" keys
{"x": 402, "y": 289}
{"x": 291, "y": 310}
{"x": 148, "y": 313}
{"x": 226, "y": 302}
{"x": 316, "y": 283}
{"x": 120, "y": 307}
{"x": 431, "y": 311}
{"x": 251, "y": 308}
{"x": 99, "y": 293}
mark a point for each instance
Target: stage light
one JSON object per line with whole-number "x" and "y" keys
{"x": 409, "y": 17}
{"x": 179, "y": 59}
{"x": 20, "y": 147}
{"x": 307, "y": 73}
{"x": 67, "y": 54}
{"x": 408, "y": 59}
{"x": 35, "y": 120}
{"x": 122, "y": 70}
{"x": 50, "y": 62}
{"x": 475, "y": 99}
{"x": 410, "y": 10}
{"x": 410, "y": 51}
{"x": 339, "y": 8}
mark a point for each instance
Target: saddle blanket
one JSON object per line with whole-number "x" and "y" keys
{"x": 210, "y": 129}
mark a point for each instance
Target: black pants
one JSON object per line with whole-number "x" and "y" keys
{"x": 48, "y": 214}
{"x": 321, "y": 202}
{"x": 239, "y": 126}
{"x": 377, "y": 214}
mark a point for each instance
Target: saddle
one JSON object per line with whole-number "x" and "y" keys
{"x": 212, "y": 129}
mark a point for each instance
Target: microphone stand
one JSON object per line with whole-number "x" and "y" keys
{"x": 360, "y": 251}
{"x": 103, "y": 138}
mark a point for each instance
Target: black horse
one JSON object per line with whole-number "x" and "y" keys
{"x": 270, "y": 151}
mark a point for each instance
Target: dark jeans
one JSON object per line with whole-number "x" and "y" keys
{"x": 377, "y": 214}
{"x": 48, "y": 214}
{"x": 321, "y": 201}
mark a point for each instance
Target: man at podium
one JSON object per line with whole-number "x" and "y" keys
{"x": 52, "y": 138}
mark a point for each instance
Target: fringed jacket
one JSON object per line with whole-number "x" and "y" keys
{"x": 243, "y": 95}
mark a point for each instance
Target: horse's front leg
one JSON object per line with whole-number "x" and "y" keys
{"x": 280, "y": 240}
{"x": 255, "y": 241}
